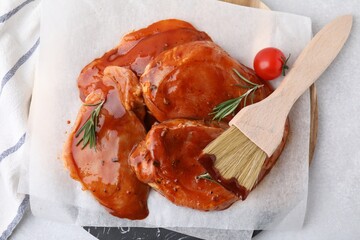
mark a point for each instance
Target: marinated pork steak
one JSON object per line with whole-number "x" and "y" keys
{"x": 189, "y": 80}
{"x": 167, "y": 161}
{"x": 104, "y": 169}
{"x": 137, "y": 49}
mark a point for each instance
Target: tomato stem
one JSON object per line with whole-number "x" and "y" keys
{"x": 285, "y": 66}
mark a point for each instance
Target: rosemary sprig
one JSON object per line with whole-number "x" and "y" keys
{"x": 228, "y": 107}
{"x": 89, "y": 127}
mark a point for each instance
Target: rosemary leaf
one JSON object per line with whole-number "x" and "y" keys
{"x": 242, "y": 86}
{"x": 92, "y": 137}
{"x": 80, "y": 130}
{"x": 86, "y": 136}
{"x": 245, "y": 98}
{"x": 243, "y": 78}
{"x": 226, "y": 108}
{"x": 91, "y": 104}
{"x": 252, "y": 95}
{"x": 227, "y": 103}
{"x": 206, "y": 176}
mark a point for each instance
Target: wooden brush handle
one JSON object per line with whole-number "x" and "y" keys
{"x": 263, "y": 122}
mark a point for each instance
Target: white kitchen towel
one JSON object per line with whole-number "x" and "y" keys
{"x": 19, "y": 41}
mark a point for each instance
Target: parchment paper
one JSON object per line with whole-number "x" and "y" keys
{"x": 73, "y": 33}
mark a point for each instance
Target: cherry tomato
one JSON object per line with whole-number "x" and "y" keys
{"x": 269, "y": 63}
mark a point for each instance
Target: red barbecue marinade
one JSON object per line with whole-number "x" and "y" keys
{"x": 207, "y": 161}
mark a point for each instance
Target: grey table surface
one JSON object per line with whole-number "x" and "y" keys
{"x": 334, "y": 186}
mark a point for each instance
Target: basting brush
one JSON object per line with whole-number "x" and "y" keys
{"x": 236, "y": 157}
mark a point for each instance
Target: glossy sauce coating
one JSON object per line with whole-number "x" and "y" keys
{"x": 137, "y": 49}
{"x": 167, "y": 160}
{"x": 105, "y": 172}
{"x": 189, "y": 80}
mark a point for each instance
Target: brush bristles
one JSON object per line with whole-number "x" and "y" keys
{"x": 237, "y": 156}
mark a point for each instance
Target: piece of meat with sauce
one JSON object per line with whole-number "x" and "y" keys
{"x": 130, "y": 89}
{"x": 167, "y": 161}
{"x": 137, "y": 49}
{"x": 189, "y": 80}
{"x": 104, "y": 171}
